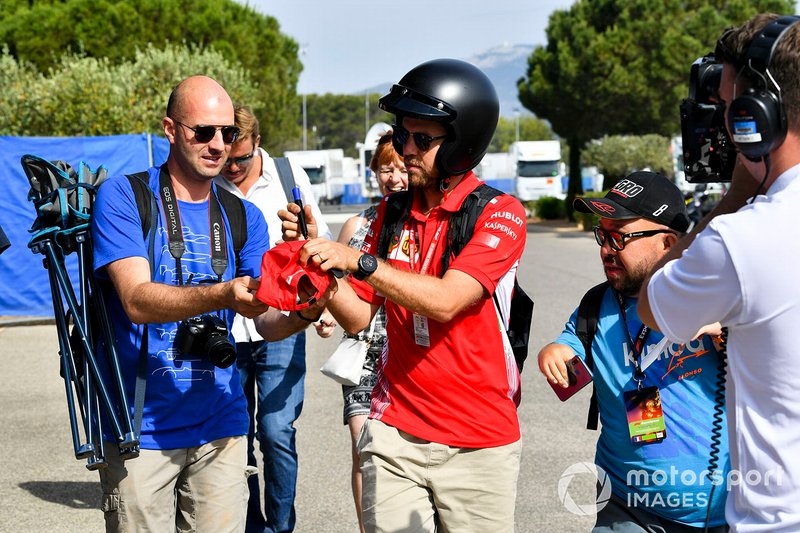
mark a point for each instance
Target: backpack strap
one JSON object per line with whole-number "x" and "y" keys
{"x": 148, "y": 212}
{"x": 286, "y": 175}
{"x": 398, "y": 207}
{"x": 585, "y": 328}
{"x": 519, "y": 323}
{"x": 462, "y": 223}
{"x": 237, "y": 220}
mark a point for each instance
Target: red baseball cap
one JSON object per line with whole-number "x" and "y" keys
{"x": 281, "y": 272}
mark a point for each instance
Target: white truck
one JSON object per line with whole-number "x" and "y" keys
{"x": 325, "y": 171}
{"x": 498, "y": 170}
{"x": 539, "y": 169}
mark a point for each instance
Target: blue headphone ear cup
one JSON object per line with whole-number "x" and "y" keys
{"x": 757, "y": 122}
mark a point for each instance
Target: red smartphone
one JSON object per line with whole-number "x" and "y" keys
{"x": 578, "y": 375}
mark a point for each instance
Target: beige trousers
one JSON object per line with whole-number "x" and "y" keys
{"x": 200, "y": 489}
{"x": 413, "y": 485}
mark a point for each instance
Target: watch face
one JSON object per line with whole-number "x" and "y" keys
{"x": 368, "y": 263}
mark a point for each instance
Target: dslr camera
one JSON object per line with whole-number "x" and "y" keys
{"x": 708, "y": 152}
{"x": 206, "y": 335}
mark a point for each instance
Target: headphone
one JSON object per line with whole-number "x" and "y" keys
{"x": 757, "y": 117}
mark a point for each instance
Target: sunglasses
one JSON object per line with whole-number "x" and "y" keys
{"x": 204, "y": 133}
{"x": 240, "y": 161}
{"x": 401, "y": 135}
{"x": 618, "y": 240}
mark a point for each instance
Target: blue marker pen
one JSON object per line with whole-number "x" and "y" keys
{"x": 302, "y": 216}
{"x": 304, "y": 228}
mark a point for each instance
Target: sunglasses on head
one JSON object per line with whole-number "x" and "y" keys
{"x": 204, "y": 133}
{"x": 423, "y": 141}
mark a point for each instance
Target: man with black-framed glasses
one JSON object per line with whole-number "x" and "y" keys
{"x": 641, "y": 218}
{"x": 173, "y": 281}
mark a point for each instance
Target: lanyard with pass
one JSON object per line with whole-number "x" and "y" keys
{"x": 645, "y": 414}
{"x": 636, "y": 347}
{"x": 412, "y": 247}
{"x": 422, "y": 336}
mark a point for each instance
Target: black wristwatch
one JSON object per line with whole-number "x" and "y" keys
{"x": 367, "y": 265}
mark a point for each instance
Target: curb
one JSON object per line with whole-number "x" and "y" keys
{"x": 556, "y": 226}
{"x": 27, "y": 321}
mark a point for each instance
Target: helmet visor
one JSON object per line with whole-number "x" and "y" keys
{"x": 403, "y": 101}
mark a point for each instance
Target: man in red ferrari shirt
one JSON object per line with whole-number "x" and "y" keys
{"x": 441, "y": 448}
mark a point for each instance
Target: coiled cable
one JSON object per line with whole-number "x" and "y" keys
{"x": 716, "y": 425}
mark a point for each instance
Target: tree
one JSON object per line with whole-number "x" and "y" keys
{"x": 618, "y": 155}
{"x": 530, "y": 129}
{"x": 621, "y": 66}
{"x": 90, "y": 96}
{"x": 114, "y": 30}
{"x": 340, "y": 121}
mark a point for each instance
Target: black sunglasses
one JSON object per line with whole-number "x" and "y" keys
{"x": 618, "y": 240}
{"x": 240, "y": 161}
{"x": 204, "y": 133}
{"x": 401, "y": 135}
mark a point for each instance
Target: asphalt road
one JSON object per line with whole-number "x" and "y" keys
{"x": 44, "y": 488}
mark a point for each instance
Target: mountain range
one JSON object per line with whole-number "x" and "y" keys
{"x": 504, "y": 64}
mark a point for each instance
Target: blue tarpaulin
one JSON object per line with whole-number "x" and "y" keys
{"x": 24, "y": 285}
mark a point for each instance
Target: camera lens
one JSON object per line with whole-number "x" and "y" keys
{"x": 220, "y": 351}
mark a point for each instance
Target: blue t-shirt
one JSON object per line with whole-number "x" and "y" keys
{"x": 188, "y": 401}
{"x": 666, "y": 478}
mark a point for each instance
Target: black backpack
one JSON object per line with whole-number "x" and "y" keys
{"x": 586, "y": 327}
{"x": 459, "y": 232}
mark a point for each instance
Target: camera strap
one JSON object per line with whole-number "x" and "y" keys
{"x": 216, "y": 232}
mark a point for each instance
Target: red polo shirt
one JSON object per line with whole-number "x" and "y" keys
{"x": 460, "y": 391}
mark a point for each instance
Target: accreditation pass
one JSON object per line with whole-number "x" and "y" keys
{"x": 422, "y": 335}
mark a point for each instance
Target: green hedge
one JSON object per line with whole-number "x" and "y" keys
{"x": 549, "y": 208}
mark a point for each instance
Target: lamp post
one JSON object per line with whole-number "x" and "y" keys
{"x": 366, "y": 113}
{"x": 516, "y": 124}
{"x": 305, "y": 134}
{"x": 302, "y": 51}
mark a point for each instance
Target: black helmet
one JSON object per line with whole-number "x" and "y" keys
{"x": 457, "y": 94}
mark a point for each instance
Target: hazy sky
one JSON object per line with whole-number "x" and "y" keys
{"x": 350, "y": 45}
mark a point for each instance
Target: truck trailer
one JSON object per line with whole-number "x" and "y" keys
{"x": 325, "y": 171}
{"x": 539, "y": 169}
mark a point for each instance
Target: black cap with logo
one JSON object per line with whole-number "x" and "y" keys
{"x": 641, "y": 194}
